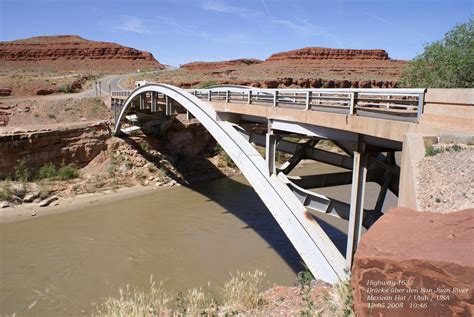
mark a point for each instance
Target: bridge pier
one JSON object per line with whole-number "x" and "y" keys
{"x": 153, "y": 101}
{"x": 359, "y": 174}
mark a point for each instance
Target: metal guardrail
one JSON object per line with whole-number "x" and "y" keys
{"x": 395, "y": 104}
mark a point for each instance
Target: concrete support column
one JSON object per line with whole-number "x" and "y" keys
{"x": 270, "y": 152}
{"x": 153, "y": 101}
{"x": 359, "y": 174}
{"x": 142, "y": 101}
{"x": 169, "y": 106}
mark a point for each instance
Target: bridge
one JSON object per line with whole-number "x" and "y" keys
{"x": 367, "y": 126}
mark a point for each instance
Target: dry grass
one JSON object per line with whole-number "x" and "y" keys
{"x": 137, "y": 303}
{"x": 240, "y": 293}
{"x": 338, "y": 301}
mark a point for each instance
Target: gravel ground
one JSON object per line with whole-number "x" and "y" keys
{"x": 446, "y": 181}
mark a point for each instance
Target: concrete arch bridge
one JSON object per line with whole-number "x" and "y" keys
{"x": 367, "y": 127}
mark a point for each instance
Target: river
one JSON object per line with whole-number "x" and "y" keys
{"x": 185, "y": 237}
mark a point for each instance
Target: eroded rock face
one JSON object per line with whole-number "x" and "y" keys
{"x": 189, "y": 140}
{"x": 424, "y": 254}
{"x": 208, "y": 66}
{"x": 5, "y": 92}
{"x": 78, "y": 144}
{"x": 72, "y": 51}
{"x": 329, "y": 53}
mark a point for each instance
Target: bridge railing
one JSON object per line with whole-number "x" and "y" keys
{"x": 402, "y": 104}
{"x": 395, "y": 104}
{"x": 121, "y": 93}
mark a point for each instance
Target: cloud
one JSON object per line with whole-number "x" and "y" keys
{"x": 378, "y": 18}
{"x": 267, "y": 12}
{"x": 222, "y": 7}
{"x": 306, "y": 29}
{"x": 133, "y": 24}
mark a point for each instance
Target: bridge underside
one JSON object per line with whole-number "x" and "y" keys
{"x": 354, "y": 159}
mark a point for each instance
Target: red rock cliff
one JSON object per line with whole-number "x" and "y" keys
{"x": 67, "y": 49}
{"x": 320, "y": 53}
{"x": 207, "y": 66}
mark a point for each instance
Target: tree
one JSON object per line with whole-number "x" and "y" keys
{"x": 448, "y": 63}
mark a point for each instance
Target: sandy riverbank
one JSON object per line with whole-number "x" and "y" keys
{"x": 81, "y": 201}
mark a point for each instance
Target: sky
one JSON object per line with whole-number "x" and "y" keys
{"x": 179, "y": 31}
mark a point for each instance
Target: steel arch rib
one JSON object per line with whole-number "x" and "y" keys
{"x": 316, "y": 249}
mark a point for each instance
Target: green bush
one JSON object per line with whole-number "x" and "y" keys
{"x": 447, "y": 63}
{"x": 47, "y": 171}
{"x": 66, "y": 172}
{"x": 432, "y": 151}
{"x": 22, "y": 172}
{"x": 66, "y": 88}
{"x": 5, "y": 192}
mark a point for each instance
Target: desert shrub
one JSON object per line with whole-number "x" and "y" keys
{"x": 337, "y": 302}
{"x": 432, "y": 151}
{"x": 226, "y": 160}
{"x": 66, "y": 88}
{"x": 5, "y": 192}
{"x": 65, "y": 172}
{"x": 304, "y": 279}
{"x": 206, "y": 84}
{"x": 22, "y": 172}
{"x": 447, "y": 63}
{"x": 47, "y": 171}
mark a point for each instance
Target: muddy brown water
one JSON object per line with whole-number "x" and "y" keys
{"x": 185, "y": 237}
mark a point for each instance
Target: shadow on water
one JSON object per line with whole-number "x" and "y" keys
{"x": 245, "y": 204}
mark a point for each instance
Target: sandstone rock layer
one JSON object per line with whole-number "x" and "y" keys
{"x": 71, "y": 52}
{"x": 322, "y": 53}
{"x": 209, "y": 66}
{"x": 430, "y": 254}
{"x": 78, "y": 144}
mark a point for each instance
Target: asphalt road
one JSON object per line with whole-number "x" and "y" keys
{"x": 108, "y": 83}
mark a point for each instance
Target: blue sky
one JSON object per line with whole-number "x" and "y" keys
{"x": 179, "y": 31}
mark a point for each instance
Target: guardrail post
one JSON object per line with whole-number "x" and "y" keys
{"x": 419, "y": 110}
{"x": 353, "y": 103}
{"x": 227, "y": 96}
{"x": 249, "y": 99}
{"x": 275, "y": 99}
{"x": 209, "y": 95}
{"x": 308, "y": 100}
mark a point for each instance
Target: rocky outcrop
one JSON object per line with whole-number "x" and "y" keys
{"x": 416, "y": 264}
{"x": 188, "y": 139}
{"x": 71, "y": 51}
{"x": 45, "y": 91}
{"x": 5, "y": 92}
{"x": 288, "y": 82}
{"x": 5, "y": 112}
{"x": 322, "y": 53}
{"x": 77, "y": 143}
{"x": 209, "y": 66}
